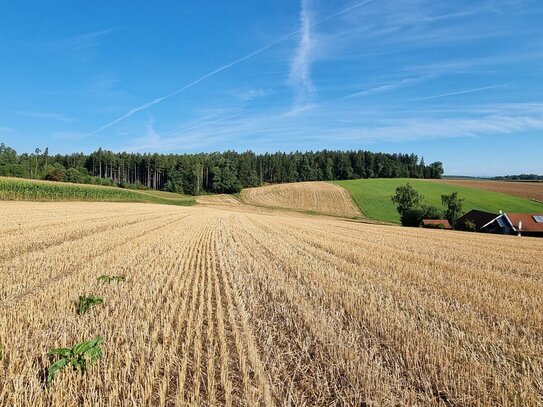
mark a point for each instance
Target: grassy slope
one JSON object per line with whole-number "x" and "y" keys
{"x": 373, "y": 197}
{"x": 32, "y": 190}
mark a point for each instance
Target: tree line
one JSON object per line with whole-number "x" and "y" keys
{"x": 226, "y": 172}
{"x": 519, "y": 177}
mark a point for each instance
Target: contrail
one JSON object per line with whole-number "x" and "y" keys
{"x": 462, "y": 92}
{"x": 224, "y": 67}
{"x": 300, "y": 76}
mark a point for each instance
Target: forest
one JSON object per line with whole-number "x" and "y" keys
{"x": 226, "y": 172}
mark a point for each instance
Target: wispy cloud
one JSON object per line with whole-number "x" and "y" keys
{"x": 152, "y": 137}
{"x": 77, "y": 42}
{"x": 6, "y": 130}
{"x": 247, "y": 95}
{"x": 300, "y": 69}
{"x": 324, "y": 126}
{"x": 430, "y": 129}
{"x": 44, "y": 115}
{"x": 387, "y": 87}
{"x": 299, "y": 109}
{"x": 462, "y": 92}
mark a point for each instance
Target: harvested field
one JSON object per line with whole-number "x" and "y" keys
{"x": 530, "y": 190}
{"x": 224, "y": 307}
{"x": 320, "y": 197}
{"x": 220, "y": 199}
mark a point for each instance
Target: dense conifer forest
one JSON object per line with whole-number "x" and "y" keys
{"x": 226, "y": 172}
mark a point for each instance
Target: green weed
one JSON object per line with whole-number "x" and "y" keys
{"x": 109, "y": 279}
{"x": 78, "y": 358}
{"x": 86, "y": 302}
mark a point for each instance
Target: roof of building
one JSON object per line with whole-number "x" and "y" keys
{"x": 444, "y": 222}
{"x": 531, "y": 222}
{"x": 479, "y": 218}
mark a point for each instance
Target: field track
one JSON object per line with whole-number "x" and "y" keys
{"x": 320, "y": 197}
{"x": 530, "y": 190}
{"x": 236, "y": 307}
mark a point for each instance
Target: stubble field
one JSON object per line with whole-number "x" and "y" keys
{"x": 253, "y": 307}
{"x": 316, "y": 196}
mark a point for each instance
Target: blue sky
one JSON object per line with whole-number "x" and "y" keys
{"x": 455, "y": 81}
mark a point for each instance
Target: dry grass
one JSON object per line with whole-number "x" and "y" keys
{"x": 224, "y": 307}
{"x": 530, "y": 190}
{"x": 319, "y": 197}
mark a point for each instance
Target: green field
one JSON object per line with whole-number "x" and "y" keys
{"x": 15, "y": 189}
{"x": 373, "y": 197}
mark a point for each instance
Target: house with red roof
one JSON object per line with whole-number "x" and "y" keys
{"x": 521, "y": 224}
{"x": 436, "y": 224}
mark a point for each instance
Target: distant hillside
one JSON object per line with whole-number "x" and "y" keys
{"x": 373, "y": 197}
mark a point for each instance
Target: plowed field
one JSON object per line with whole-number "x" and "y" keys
{"x": 530, "y": 190}
{"x": 224, "y": 307}
{"x": 320, "y": 197}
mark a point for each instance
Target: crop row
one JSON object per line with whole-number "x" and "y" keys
{"x": 27, "y": 190}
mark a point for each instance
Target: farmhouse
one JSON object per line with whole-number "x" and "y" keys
{"x": 474, "y": 220}
{"x": 525, "y": 224}
{"x": 436, "y": 224}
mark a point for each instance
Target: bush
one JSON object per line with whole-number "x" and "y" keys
{"x": 412, "y": 217}
{"x": 431, "y": 212}
{"x": 406, "y": 198}
{"x": 454, "y": 206}
{"x": 107, "y": 182}
{"x": 76, "y": 176}
{"x": 55, "y": 173}
{"x": 470, "y": 226}
{"x": 14, "y": 170}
